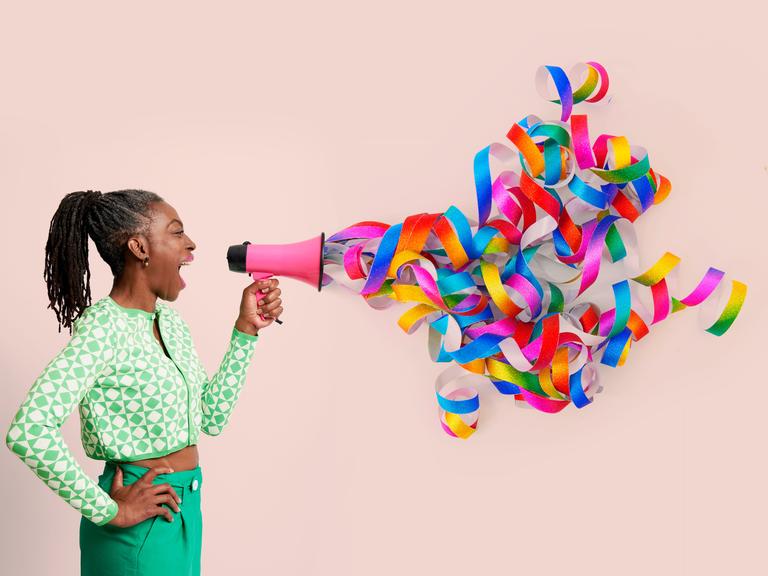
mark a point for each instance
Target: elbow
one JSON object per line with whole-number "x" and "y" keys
{"x": 13, "y": 438}
{"x": 26, "y": 436}
{"x": 212, "y": 430}
{"x": 213, "y": 422}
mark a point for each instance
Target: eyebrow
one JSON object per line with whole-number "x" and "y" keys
{"x": 176, "y": 220}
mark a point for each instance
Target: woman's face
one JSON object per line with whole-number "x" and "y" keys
{"x": 169, "y": 249}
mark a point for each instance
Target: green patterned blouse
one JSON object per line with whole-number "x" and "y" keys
{"x": 134, "y": 401}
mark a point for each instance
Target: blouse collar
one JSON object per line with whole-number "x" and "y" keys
{"x": 136, "y": 312}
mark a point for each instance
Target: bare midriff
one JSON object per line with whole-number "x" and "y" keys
{"x": 185, "y": 459}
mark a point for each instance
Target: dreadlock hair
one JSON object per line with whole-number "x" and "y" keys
{"x": 110, "y": 219}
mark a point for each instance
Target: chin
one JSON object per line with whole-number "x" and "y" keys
{"x": 169, "y": 297}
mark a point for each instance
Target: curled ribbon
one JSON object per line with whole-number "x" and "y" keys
{"x": 504, "y": 296}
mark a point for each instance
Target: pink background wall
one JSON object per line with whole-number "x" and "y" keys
{"x": 274, "y": 124}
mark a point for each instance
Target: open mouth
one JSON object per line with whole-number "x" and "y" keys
{"x": 183, "y": 284}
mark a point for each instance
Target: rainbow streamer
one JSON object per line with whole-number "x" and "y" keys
{"x": 504, "y": 296}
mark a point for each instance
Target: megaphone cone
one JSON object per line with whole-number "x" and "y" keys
{"x": 300, "y": 260}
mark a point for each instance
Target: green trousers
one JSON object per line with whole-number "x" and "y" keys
{"x": 154, "y": 546}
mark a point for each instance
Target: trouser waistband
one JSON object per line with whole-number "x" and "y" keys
{"x": 182, "y": 478}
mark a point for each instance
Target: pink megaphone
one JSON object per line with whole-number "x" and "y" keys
{"x": 300, "y": 260}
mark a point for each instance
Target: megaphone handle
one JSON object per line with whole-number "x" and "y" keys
{"x": 260, "y": 295}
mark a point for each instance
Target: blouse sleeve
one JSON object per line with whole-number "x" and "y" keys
{"x": 34, "y": 434}
{"x": 219, "y": 394}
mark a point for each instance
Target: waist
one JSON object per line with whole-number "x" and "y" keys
{"x": 185, "y": 482}
{"x": 188, "y": 458}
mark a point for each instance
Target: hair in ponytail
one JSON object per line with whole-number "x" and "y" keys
{"x": 110, "y": 220}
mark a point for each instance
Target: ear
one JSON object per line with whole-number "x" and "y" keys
{"x": 138, "y": 246}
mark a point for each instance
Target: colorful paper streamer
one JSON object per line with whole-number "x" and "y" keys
{"x": 504, "y": 296}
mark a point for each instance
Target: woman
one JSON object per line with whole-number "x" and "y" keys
{"x": 142, "y": 393}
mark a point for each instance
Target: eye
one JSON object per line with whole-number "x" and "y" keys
{"x": 179, "y": 232}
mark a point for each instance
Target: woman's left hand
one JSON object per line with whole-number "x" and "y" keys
{"x": 251, "y": 308}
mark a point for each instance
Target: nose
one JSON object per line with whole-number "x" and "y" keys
{"x": 192, "y": 245}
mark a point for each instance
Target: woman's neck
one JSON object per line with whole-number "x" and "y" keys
{"x": 131, "y": 296}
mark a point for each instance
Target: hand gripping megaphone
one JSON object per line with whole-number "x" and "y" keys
{"x": 300, "y": 260}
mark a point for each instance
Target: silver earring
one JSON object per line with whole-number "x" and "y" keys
{"x": 146, "y": 261}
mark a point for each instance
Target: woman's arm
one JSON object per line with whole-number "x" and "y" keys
{"x": 34, "y": 434}
{"x": 220, "y": 393}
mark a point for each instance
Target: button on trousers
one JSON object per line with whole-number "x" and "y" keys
{"x": 153, "y": 547}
